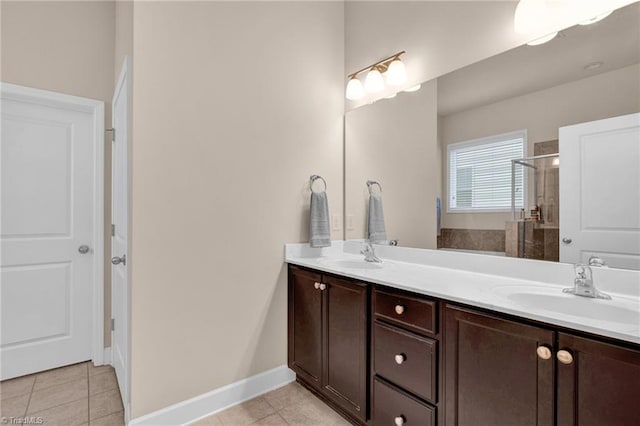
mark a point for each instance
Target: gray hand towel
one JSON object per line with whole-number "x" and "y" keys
{"x": 375, "y": 227}
{"x": 319, "y": 234}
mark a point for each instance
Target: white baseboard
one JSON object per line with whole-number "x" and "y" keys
{"x": 209, "y": 403}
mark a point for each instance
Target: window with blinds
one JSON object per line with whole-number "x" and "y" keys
{"x": 480, "y": 173}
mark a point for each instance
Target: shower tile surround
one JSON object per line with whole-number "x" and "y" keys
{"x": 471, "y": 279}
{"x": 541, "y": 242}
{"x": 473, "y": 239}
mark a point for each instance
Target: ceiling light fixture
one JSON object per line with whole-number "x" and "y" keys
{"x": 393, "y": 69}
{"x": 593, "y": 66}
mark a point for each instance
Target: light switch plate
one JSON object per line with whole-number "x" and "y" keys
{"x": 336, "y": 222}
{"x": 350, "y": 222}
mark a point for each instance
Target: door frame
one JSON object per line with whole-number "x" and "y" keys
{"x": 96, "y": 109}
{"x": 124, "y": 79}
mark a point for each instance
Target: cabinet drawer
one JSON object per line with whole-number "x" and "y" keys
{"x": 389, "y": 404}
{"x": 405, "y": 359}
{"x": 410, "y": 312}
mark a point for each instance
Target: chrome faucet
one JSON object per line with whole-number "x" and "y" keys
{"x": 583, "y": 283}
{"x": 369, "y": 253}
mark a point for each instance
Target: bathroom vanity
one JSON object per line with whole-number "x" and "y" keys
{"x": 418, "y": 341}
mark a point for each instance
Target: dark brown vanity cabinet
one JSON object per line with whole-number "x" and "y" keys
{"x": 404, "y": 359}
{"x": 426, "y": 362}
{"x": 328, "y": 338}
{"x": 499, "y": 371}
{"x": 598, "y": 383}
{"x": 492, "y": 372}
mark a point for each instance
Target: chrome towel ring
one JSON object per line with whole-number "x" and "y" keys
{"x": 313, "y": 178}
{"x": 370, "y": 183}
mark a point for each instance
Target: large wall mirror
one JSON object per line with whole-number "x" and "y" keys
{"x": 533, "y": 153}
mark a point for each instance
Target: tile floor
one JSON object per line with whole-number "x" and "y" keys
{"x": 289, "y": 405}
{"x": 78, "y": 394}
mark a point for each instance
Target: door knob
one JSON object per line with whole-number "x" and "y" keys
{"x": 83, "y": 249}
{"x": 316, "y": 286}
{"x": 567, "y": 240}
{"x": 118, "y": 260}
{"x": 323, "y": 286}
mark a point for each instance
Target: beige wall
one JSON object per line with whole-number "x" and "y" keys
{"x": 439, "y": 36}
{"x": 392, "y": 141}
{"x": 235, "y": 105}
{"x": 65, "y": 47}
{"x": 541, "y": 113}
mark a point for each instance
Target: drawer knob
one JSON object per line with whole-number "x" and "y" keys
{"x": 399, "y": 420}
{"x": 543, "y": 352}
{"x": 564, "y": 356}
{"x": 323, "y": 286}
{"x": 316, "y": 285}
{"x": 399, "y": 309}
{"x": 400, "y": 358}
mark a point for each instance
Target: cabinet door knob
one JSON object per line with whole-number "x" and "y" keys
{"x": 399, "y": 420}
{"x": 316, "y": 285}
{"x": 399, "y": 309}
{"x": 323, "y": 287}
{"x": 567, "y": 240}
{"x": 543, "y": 352}
{"x": 400, "y": 358}
{"x": 564, "y": 356}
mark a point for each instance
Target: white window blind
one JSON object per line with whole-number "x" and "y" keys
{"x": 480, "y": 173}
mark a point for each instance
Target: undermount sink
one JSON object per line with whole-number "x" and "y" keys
{"x": 551, "y": 299}
{"x": 352, "y": 264}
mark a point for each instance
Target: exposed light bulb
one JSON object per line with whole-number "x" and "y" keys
{"x": 543, "y": 39}
{"x": 396, "y": 73}
{"x": 413, "y": 88}
{"x": 596, "y": 18}
{"x": 374, "y": 82}
{"x": 355, "y": 90}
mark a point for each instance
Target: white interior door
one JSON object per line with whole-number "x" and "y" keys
{"x": 49, "y": 229}
{"x": 119, "y": 239}
{"x": 600, "y": 191}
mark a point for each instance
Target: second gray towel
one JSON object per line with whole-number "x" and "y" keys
{"x": 319, "y": 234}
{"x": 375, "y": 227}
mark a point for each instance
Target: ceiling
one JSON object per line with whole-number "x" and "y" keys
{"x": 614, "y": 41}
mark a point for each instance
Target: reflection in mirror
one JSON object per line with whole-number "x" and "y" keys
{"x": 445, "y": 154}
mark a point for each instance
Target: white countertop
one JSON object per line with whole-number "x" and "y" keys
{"x": 525, "y": 288}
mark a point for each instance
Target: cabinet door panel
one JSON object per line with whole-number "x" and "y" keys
{"x": 305, "y": 333}
{"x": 600, "y": 387}
{"x": 493, "y": 375}
{"x": 345, "y": 371}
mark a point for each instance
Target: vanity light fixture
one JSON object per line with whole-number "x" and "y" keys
{"x": 392, "y": 68}
{"x": 596, "y": 18}
{"x": 538, "y": 17}
{"x": 413, "y": 88}
{"x": 374, "y": 82}
{"x": 543, "y": 39}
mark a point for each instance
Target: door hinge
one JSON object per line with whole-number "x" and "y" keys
{"x": 113, "y": 324}
{"x": 113, "y": 133}
{"x": 113, "y": 230}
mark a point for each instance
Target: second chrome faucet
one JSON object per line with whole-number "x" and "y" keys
{"x": 369, "y": 253}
